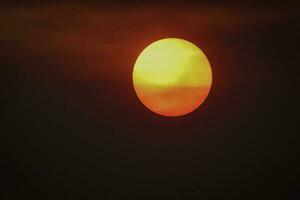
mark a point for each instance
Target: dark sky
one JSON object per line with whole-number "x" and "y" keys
{"x": 73, "y": 127}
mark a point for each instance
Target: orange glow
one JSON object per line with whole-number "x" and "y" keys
{"x": 172, "y": 77}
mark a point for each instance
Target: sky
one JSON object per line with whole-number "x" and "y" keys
{"x": 73, "y": 127}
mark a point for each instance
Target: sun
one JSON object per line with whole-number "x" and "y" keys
{"x": 172, "y": 77}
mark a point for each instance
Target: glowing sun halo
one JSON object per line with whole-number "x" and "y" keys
{"x": 172, "y": 77}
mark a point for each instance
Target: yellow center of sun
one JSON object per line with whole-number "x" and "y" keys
{"x": 172, "y": 77}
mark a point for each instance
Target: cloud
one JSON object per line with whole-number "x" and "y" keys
{"x": 105, "y": 39}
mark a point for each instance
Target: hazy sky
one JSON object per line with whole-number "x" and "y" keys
{"x": 74, "y": 128}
